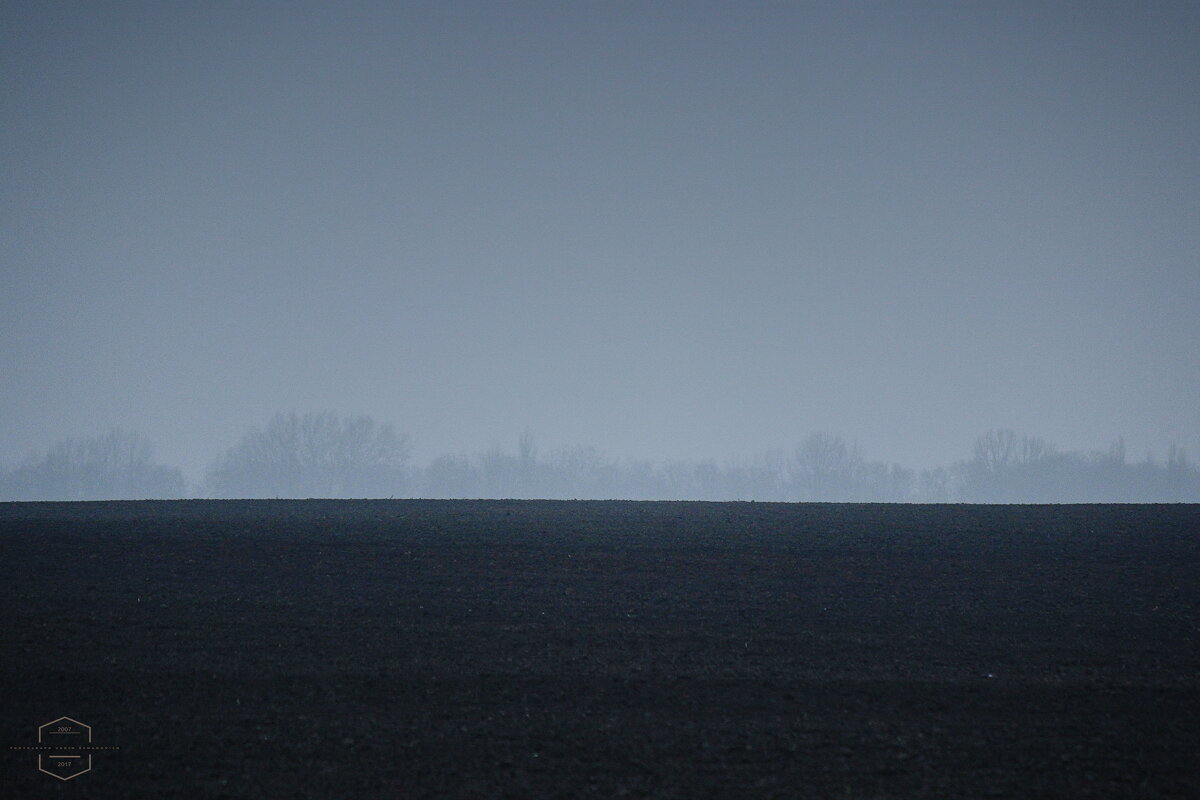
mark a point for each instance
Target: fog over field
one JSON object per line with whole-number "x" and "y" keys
{"x": 844, "y": 251}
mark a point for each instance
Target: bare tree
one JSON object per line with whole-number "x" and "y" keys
{"x": 996, "y": 450}
{"x": 118, "y": 465}
{"x": 824, "y": 468}
{"x": 314, "y": 455}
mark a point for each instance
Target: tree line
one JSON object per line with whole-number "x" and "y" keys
{"x": 330, "y": 455}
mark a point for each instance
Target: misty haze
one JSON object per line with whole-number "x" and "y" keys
{"x": 620, "y": 398}
{"x": 676, "y": 233}
{"x": 328, "y": 455}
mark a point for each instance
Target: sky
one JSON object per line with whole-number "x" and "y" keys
{"x": 669, "y": 230}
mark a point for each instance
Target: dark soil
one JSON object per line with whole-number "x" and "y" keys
{"x": 405, "y": 649}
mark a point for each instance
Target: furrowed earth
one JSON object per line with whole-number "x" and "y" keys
{"x": 487, "y": 649}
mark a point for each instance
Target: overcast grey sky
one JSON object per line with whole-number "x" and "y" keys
{"x": 672, "y": 230}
